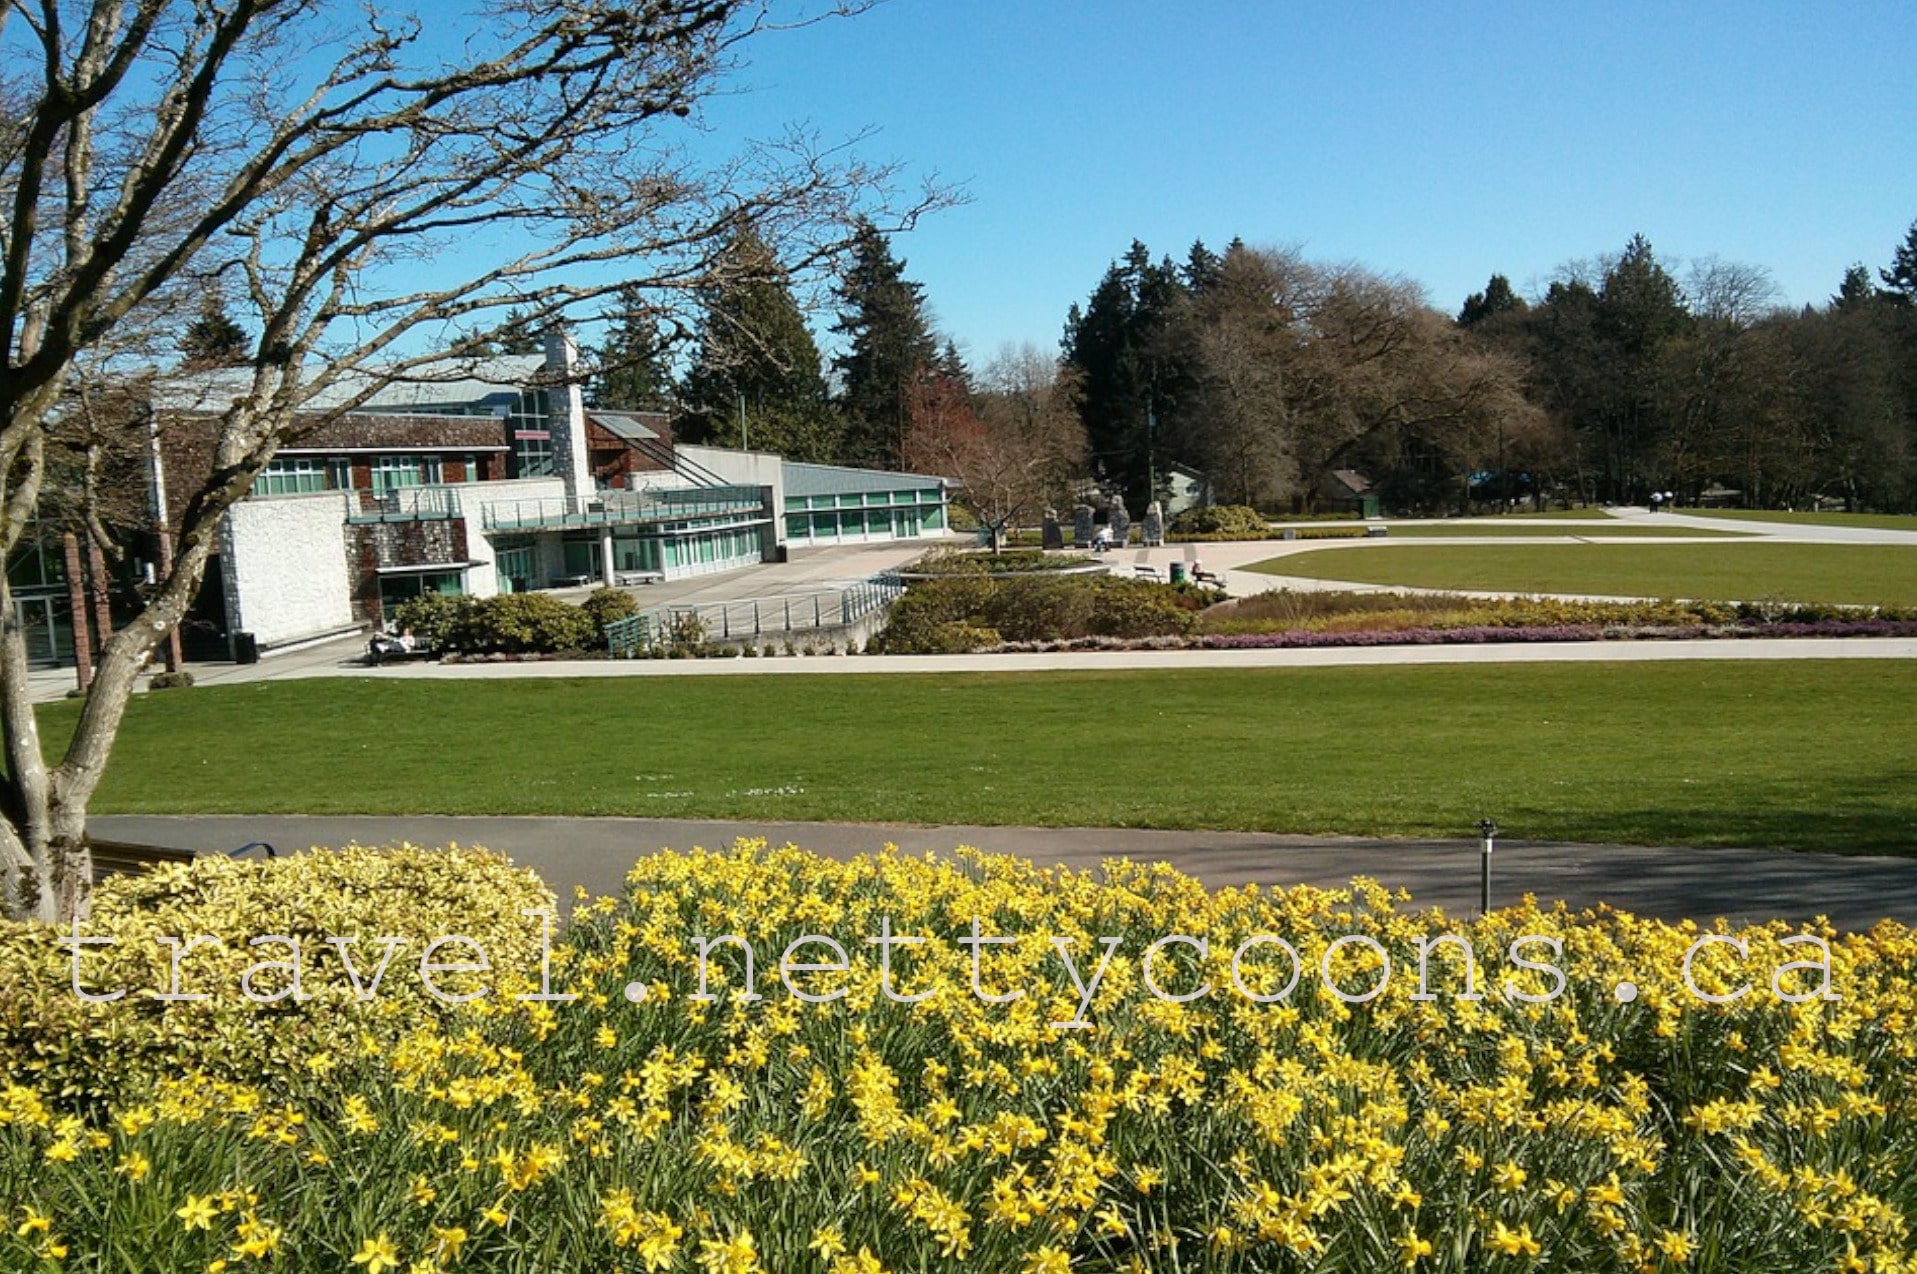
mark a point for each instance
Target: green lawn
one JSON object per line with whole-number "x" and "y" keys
{"x": 1871, "y": 521}
{"x": 1508, "y": 527}
{"x": 1866, "y": 574}
{"x": 1801, "y": 755}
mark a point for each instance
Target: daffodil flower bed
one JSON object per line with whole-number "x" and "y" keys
{"x": 1211, "y": 1113}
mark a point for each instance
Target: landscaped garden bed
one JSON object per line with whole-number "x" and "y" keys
{"x": 1262, "y": 1123}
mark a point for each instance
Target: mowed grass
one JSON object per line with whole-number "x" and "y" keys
{"x": 1506, "y": 527}
{"x": 1796, "y": 755}
{"x": 1862, "y": 574}
{"x": 1869, "y": 521}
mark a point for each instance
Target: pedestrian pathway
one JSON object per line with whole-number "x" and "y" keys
{"x": 1673, "y": 884}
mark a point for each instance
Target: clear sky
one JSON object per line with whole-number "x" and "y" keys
{"x": 1439, "y": 140}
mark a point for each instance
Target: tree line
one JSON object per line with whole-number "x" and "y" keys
{"x": 1266, "y": 370}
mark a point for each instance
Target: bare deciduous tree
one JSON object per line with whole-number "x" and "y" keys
{"x": 1011, "y": 451}
{"x": 365, "y": 187}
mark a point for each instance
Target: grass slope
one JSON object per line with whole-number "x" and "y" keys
{"x": 1810, "y": 755}
{"x": 1866, "y": 574}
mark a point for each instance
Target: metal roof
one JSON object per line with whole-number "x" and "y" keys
{"x": 457, "y": 383}
{"x": 803, "y": 479}
{"x": 628, "y": 425}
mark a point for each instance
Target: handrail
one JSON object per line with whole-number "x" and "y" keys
{"x": 755, "y": 617}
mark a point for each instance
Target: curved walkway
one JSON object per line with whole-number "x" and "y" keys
{"x": 1670, "y": 883}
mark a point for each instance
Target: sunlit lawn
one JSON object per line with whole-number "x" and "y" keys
{"x": 1806, "y": 755}
{"x": 1864, "y": 574}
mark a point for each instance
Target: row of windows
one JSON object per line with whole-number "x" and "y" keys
{"x": 900, "y": 522}
{"x": 294, "y": 475}
{"x": 528, "y": 427}
{"x": 866, "y": 499}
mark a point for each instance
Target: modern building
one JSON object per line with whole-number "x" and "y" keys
{"x": 495, "y": 480}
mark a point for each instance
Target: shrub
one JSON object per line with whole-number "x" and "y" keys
{"x": 170, "y": 680}
{"x": 434, "y": 618}
{"x": 956, "y": 613}
{"x": 608, "y": 604}
{"x": 1234, "y": 521}
{"x": 78, "y": 1052}
{"x": 522, "y": 623}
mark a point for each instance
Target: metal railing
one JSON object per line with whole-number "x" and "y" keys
{"x": 758, "y": 617}
{"x": 407, "y": 504}
{"x": 622, "y": 507}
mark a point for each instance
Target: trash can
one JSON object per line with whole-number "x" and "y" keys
{"x": 1178, "y": 572}
{"x": 246, "y": 648}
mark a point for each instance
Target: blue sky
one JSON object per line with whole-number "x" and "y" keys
{"x": 1442, "y": 141}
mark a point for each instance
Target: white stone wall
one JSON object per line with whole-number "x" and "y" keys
{"x": 288, "y": 570}
{"x": 474, "y": 497}
{"x": 746, "y": 469}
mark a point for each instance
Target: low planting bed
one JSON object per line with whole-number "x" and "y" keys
{"x": 1281, "y": 1115}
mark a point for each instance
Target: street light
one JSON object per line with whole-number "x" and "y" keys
{"x": 1488, "y": 830}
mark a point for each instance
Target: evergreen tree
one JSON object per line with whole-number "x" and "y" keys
{"x": 1124, "y": 353}
{"x": 891, "y": 348}
{"x": 213, "y": 339}
{"x": 756, "y": 381}
{"x": 1640, "y": 311}
{"x": 516, "y": 335}
{"x": 1856, "y": 291}
{"x": 1497, "y": 298}
{"x": 1203, "y": 266}
{"x": 1900, "y": 280}
{"x": 633, "y": 375}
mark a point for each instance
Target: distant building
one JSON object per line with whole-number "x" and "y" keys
{"x": 1185, "y": 488}
{"x": 1347, "y": 491}
{"x": 495, "y": 482}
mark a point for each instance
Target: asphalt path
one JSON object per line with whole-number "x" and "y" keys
{"x": 1671, "y": 883}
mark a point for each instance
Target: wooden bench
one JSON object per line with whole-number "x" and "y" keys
{"x": 119, "y": 857}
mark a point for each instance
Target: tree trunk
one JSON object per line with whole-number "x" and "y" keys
{"x": 77, "y": 606}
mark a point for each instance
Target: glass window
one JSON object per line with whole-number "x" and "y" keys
{"x": 394, "y": 590}
{"x": 390, "y": 473}
{"x": 529, "y": 430}
{"x": 290, "y": 475}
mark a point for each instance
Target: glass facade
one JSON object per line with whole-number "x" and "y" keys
{"x": 895, "y": 514}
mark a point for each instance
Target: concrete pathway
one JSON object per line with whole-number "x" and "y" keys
{"x": 1670, "y": 883}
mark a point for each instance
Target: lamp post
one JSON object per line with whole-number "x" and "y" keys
{"x": 1488, "y": 830}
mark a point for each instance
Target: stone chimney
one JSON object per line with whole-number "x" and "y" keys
{"x": 566, "y": 409}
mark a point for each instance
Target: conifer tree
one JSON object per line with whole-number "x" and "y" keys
{"x": 756, "y": 381}
{"x": 891, "y": 348}
{"x": 213, "y": 339}
{"x": 633, "y": 371}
